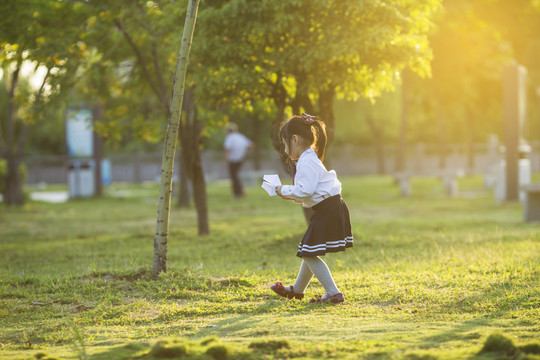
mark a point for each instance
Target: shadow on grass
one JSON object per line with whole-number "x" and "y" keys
{"x": 495, "y": 346}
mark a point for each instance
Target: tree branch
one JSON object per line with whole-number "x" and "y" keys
{"x": 159, "y": 74}
{"x": 142, "y": 64}
{"x": 26, "y": 127}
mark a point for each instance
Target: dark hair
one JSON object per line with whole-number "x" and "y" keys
{"x": 311, "y": 130}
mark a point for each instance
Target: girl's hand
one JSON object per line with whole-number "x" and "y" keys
{"x": 278, "y": 191}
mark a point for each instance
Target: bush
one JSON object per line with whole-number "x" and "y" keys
{"x": 164, "y": 349}
{"x": 499, "y": 343}
{"x": 270, "y": 345}
{"x": 218, "y": 352}
{"x": 533, "y": 348}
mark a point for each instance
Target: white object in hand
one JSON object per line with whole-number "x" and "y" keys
{"x": 270, "y": 182}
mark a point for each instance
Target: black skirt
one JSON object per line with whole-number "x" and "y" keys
{"x": 329, "y": 229}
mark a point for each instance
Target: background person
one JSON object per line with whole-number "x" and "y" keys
{"x": 236, "y": 146}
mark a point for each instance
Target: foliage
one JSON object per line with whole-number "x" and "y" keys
{"x": 461, "y": 102}
{"x": 136, "y": 42}
{"x": 463, "y": 97}
{"x": 429, "y": 276}
{"x": 356, "y": 46}
{"x": 45, "y": 36}
{"x": 42, "y": 34}
{"x": 300, "y": 54}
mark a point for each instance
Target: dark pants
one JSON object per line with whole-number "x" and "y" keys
{"x": 234, "y": 170}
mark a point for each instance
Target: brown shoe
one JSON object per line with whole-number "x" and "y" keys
{"x": 333, "y": 299}
{"x": 279, "y": 289}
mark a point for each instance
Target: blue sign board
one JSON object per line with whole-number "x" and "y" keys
{"x": 79, "y": 133}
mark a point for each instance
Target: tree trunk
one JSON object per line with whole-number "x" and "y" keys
{"x": 378, "y": 134}
{"x": 190, "y": 135}
{"x": 183, "y": 191}
{"x": 14, "y": 188}
{"x": 167, "y": 166}
{"x": 137, "y": 178}
{"x": 326, "y": 110}
{"x": 443, "y": 142}
{"x": 199, "y": 183}
{"x": 302, "y": 100}
{"x": 279, "y": 95}
{"x": 472, "y": 138}
{"x": 98, "y": 152}
{"x": 257, "y": 142}
{"x": 13, "y": 194}
{"x": 401, "y": 149}
{"x": 197, "y": 174}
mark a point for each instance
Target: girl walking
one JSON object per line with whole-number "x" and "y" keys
{"x": 304, "y": 139}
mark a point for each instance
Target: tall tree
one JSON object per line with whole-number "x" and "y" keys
{"x": 163, "y": 212}
{"x": 301, "y": 54}
{"x": 141, "y": 36}
{"x": 45, "y": 36}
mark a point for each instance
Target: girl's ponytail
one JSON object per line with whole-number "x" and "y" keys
{"x": 310, "y": 129}
{"x": 320, "y": 144}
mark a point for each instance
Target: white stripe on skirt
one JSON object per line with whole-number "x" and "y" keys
{"x": 328, "y": 244}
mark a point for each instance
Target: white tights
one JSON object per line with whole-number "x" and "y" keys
{"x": 314, "y": 266}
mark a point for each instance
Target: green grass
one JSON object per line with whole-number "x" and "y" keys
{"x": 430, "y": 277}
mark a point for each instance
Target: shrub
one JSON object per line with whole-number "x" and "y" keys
{"x": 164, "y": 349}
{"x": 218, "y": 352}
{"x": 499, "y": 343}
{"x": 533, "y": 348}
{"x": 270, "y": 345}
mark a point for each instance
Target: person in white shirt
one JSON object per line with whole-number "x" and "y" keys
{"x": 304, "y": 139}
{"x": 236, "y": 146}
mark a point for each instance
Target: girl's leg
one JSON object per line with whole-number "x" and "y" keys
{"x": 321, "y": 271}
{"x": 302, "y": 280}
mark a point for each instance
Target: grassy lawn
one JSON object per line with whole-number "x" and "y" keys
{"x": 429, "y": 277}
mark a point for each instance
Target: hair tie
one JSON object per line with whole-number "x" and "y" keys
{"x": 308, "y": 119}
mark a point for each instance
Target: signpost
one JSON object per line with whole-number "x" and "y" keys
{"x": 80, "y": 146}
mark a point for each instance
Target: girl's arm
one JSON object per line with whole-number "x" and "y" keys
{"x": 278, "y": 191}
{"x": 305, "y": 182}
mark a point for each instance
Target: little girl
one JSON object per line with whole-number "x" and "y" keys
{"x": 304, "y": 139}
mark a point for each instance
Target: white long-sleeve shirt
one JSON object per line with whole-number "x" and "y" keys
{"x": 312, "y": 182}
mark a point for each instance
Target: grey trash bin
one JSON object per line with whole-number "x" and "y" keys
{"x": 81, "y": 182}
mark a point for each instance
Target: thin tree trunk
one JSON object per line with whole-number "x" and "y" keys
{"x": 279, "y": 95}
{"x": 167, "y": 167}
{"x": 137, "y": 178}
{"x": 191, "y": 159}
{"x": 183, "y": 191}
{"x": 302, "y": 100}
{"x": 257, "y": 125}
{"x": 401, "y": 149}
{"x": 472, "y": 138}
{"x": 98, "y": 153}
{"x": 199, "y": 183}
{"x": 379, "y": 144}
{"x": 326, "y": 110}
{"x": 194, "y": 163}
{"x": 443, "y": 142}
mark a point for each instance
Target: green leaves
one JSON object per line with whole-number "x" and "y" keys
{"x": 358, "y": 47}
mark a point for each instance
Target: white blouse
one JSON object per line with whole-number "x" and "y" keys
{"x": 312, "y": 182}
